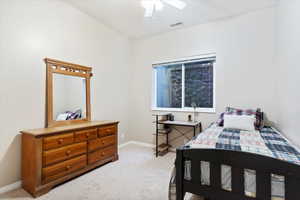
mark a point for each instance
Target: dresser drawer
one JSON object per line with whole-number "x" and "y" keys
{"x": 85, "y": 135}
{"x": 57, "y": 141}
{"x": 101, "y": 142}
{"x": 63, "y": 153}
{"x": 101, "y": 154}
{"x": 107, "y": 130}
{"x": 59, "y": 170}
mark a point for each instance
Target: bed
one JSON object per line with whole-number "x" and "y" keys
{"x": 232, "y": 164}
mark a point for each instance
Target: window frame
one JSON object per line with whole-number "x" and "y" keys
{"x": 183, "y": 61}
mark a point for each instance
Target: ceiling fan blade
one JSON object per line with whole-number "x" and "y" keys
{"x": 158, "y": 5}
{"x": 149, "y": 11}
{"x": 176, "y": 3}
{"x": 149, "y": 7}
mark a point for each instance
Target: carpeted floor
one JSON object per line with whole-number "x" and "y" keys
{"x": 137, "y": 175}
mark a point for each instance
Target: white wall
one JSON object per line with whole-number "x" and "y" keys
{"x": 288, "y": 42}
{"x": 34, "y": 29}
{"x": 245, "y": 48}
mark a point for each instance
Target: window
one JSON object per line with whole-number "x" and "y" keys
{"x": 177, "y": 86}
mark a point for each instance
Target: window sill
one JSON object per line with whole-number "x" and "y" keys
{"x": 189, "y": 110}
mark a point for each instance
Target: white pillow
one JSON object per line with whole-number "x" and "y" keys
{"x": 62, "y": 117}
{"x": 243, "y": 122}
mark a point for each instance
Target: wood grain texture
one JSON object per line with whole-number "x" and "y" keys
{"x": 68, "y": 64}
{"x": 59, "y": 170}
{"x": 85, "y": 135}
{"x": 107, "y": 130}
{"x": 101, "y": 154}
{"x": 29, "y": 167}
{"x": 51, "y": 157}
{"x": 49, "y": 95}
{"x": 62, "y": 129}
{"x": 68, "y": 69}
{"x": 46, "y": 187}
{"x": 57, "y": 141}
{"x": 31, "y": 162}
{"x": 88, "y": 98}
{"x": 67, "y": 73}
{"x": 102, "y": 142}
{"x": 63, "y": 153}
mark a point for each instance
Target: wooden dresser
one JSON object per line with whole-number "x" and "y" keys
{"x": 51, "y": 156}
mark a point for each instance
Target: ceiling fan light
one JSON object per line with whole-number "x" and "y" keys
{"x": 176, "y": 3}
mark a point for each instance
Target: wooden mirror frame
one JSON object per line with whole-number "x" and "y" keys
{"x": 69, "y": 69}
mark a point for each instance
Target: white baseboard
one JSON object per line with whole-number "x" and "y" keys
{"x": 123, "y": 145}
{"x": 11, "y": 187}
{"x": 137, "y": 143}
{"x": 143, "y": 144}
{"x": 172, "y": 149}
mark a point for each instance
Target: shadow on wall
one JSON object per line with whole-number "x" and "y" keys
{"x": 9, "y": 165}
{"x": 267, "y": 122}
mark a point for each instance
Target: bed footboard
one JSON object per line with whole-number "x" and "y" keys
{"x": 238, "y": 161}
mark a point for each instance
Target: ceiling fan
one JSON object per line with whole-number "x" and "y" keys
{"x": 158, "y": 5}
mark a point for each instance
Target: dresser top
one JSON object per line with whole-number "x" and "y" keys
{"x": 52, "y": 130}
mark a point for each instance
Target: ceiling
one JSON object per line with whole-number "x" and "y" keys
{"x": 127, "y": 16}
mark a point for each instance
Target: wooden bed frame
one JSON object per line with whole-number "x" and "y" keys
{"x": 264, "y": 166}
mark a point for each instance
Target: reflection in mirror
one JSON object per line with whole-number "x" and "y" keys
{"x": 69, "y": 97}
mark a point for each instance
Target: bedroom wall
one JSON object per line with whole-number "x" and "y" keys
{"x": 288, "y": 60}
{"x": 245, "y": 47}
{"x": 34, "y": 29}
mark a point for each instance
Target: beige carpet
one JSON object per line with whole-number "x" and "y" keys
{"x": 137, "y": 175}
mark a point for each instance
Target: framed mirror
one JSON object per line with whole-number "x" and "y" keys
{"x": 67, "y": 93}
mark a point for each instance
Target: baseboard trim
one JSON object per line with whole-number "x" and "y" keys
{"x": 11, "y": 187}
{"x": 123, "y": 145}
{"x": 144, "y": 144}
{"x": 137, "y": 143}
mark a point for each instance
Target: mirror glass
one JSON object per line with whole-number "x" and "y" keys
{"x": 69, "y": 97}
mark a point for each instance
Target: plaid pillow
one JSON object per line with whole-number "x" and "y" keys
{"x": 257, "y": 113}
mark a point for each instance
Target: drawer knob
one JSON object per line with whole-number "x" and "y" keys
{"x": 103, "y": 142}
{"x": 68, "y": 152}
{"x": 68, "y": 167}
{"x": 60, "y": 141}
{"x": 103, "y": 154}
{"x": 87, "y": 135}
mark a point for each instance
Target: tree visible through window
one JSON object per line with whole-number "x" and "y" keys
{"x": 180, "y": 84}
